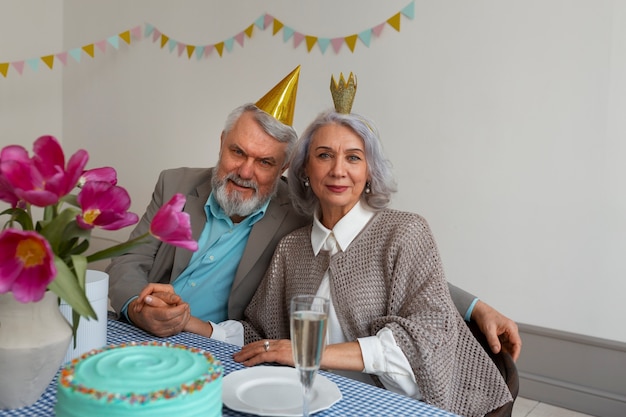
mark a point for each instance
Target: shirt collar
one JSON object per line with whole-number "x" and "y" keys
{"x": 345, "y": 230}
{"x": 212, "y": 207}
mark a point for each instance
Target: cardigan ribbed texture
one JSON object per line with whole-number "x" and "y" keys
{"x": 390, "y": 276}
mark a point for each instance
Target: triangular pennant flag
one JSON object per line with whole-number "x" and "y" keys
{"x": 4, "y": 68}
{"x": 378, "y": 29}
{"x": 323, "y": 44}
{"x": 114, "y": 41}
{"x": 181, "y": 48}
{"x": 156, "y": 36}
{"x": 102, "y": 45}
{"x": 62, "y": 56}
{"x": 268, "y": 19}
{"x": 351, "y": 41}
{"x": 76, "y": 54}
{"x": 19, "y": 66}
{"x": 239, "y": 38}
{"x": 164, "y": 40}
{"x": 208, "y": 49}
{"x": 125, "y": 36}
{"x": 136, "y": 32}
{"x": 287, "y": 33}
{"x": 229, "y": 44}
{"x": 297, "y": 39}
{"x": 190, "y": 49}
{"x": 220, "y": 48}
{"x": 336, "y": 42}
{"x": 310, "y": 42}
{"x": 33, "y": 63}
{"x": 89, "y": 49}
{"x": 409, "y": 10}
{"x": 394, "y": 21}
{"x": 149, "y": 30}
{"x": 249, "y": 30}
{"x": 48, "y": 60}
{"x": 278, "y": 25}
{"x": 260, "y": 22}
{"x": 171, "y": 45}
{"x": 199, "y": 52}
{"x": 366, "y": 37}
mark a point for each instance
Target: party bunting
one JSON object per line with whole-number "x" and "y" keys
{"x": 289, "y": 34}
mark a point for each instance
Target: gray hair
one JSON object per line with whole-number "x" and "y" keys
{"x": 382, "y": 183}
{"x": 279, "y": 131}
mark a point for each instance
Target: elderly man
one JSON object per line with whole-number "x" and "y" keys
{"x": 239, "y": 210}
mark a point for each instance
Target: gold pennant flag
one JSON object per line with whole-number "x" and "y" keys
{"x": 394, "y": 22}
{"x": 48, "y": 60}
{"x": 310, "y": 42}
{"x": 164, "y": 40}
{"x": 278, "y": 25}
{"x": 351, "y": 41}
{"x": 4, "y": 69}
{"x": 88, "y": 49}
{"x": 190, "y": 49}
{"x": 125, "y": 36}
{"x": 248, "y": 30}
{"x": 220, "y": 48}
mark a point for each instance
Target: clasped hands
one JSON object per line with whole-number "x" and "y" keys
{"x": 159, "y": 310}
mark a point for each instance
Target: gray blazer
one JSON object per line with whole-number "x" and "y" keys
{"x": 163, "y": 263}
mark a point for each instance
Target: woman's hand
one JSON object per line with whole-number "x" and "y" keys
{"x": 255, "y": 353}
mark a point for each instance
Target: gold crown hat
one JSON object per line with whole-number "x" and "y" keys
{"x": 343, "y": 93}
{"x": 280, "y": 101}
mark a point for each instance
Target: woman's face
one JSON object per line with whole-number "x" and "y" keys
{"x": 337, "y": 169}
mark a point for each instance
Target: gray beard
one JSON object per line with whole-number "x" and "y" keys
{"x": 235, "y": 204}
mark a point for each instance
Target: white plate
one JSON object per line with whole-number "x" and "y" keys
{"x": 275, "y": 391}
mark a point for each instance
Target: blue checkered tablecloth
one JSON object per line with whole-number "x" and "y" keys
{"x": 359, "y": 399}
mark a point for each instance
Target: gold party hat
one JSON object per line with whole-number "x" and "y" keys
{"x": 280, "y": 101}
{"x": 343, "y": 93}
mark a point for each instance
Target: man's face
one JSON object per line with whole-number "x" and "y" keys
{"x": 250, "y": 164}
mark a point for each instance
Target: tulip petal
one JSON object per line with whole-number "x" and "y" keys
{"x": 173, "y": 226}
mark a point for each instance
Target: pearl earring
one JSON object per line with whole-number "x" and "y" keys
{"x": 307, "y": 184}
{"x": 367, "y": 188}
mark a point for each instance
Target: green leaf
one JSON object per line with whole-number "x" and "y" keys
{"x": 68, "y": 287}
{"x": 20, "y": 216}
{"x": 54, "y": 230}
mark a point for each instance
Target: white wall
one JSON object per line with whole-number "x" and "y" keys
{"x": 503, "y": 119}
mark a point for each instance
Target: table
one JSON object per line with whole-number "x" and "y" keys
{"x": 359, "y": 399}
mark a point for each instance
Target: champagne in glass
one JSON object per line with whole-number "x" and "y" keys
{"x": 309, "y": 318}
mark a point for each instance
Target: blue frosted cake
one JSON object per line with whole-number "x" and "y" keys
{"x": 141, "y": 379}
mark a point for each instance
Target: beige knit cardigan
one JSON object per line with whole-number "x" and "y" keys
{"x": 390, "y": 276}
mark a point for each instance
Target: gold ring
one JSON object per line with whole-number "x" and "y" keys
{"x": 266, "y": 345}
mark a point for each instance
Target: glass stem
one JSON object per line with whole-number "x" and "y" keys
{"x": 306, "y": 393}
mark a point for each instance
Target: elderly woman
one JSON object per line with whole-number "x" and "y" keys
{"x": 391, "y": 320}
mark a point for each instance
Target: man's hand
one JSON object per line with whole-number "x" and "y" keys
{"x": 159, "y": 310}
{"x": 501, "y": 332}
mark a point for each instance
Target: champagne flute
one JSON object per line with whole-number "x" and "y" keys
{"x": 309, "y": 318}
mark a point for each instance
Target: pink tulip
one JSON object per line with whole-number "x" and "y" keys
{"x": 105, "y": 206}
{"x": 106, "y": 174}
{"x": 171, "y": 225}
{"x": 26, "y": 264}
{"x": 10, "y": 153}
{"x": 43, "y": 179}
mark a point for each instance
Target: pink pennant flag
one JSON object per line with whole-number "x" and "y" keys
{"x": 181, "y": 48}
{"x": 297, "y": 39}
{"x": 62, "y": 56}
{"x": 136, "y": 32}
{"x": 19, "y": 66}
{"x": 102, "y": 45}
{"x": 336, "y": 43}
{"x": 268, "y": 19}
{"x": 208, "y": 49}
{"x": 377, "y": 30}
{"x": 239, "y": 38}
{"x": 156, "y": 35}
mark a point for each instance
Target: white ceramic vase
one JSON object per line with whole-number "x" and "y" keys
{"x": 34, "y": 338}
{"x": 92, "y": 333}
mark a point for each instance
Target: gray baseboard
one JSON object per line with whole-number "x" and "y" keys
{"x": 577, "y": 372}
